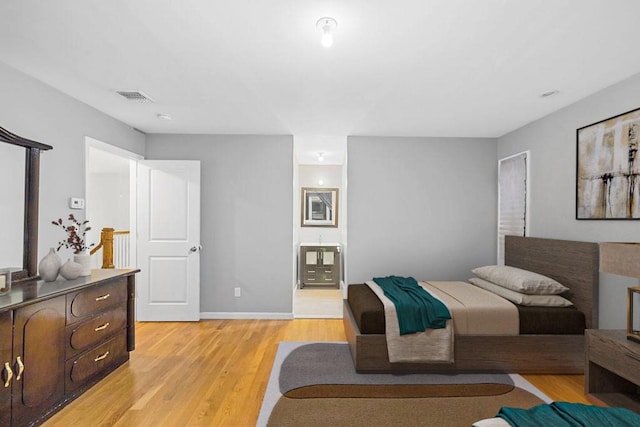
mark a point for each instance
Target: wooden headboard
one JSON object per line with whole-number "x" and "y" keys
{"x": 574, "y": 264}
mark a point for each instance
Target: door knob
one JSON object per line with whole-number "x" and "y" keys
{"x": 195, "y": 249}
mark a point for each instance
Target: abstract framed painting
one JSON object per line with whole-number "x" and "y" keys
{"x": 607, "y": 169}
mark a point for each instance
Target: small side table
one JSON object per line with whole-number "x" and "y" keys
{"x": 612, "y": 373}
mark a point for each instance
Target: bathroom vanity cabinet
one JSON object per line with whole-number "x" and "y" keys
{"x": 320, "y": 265}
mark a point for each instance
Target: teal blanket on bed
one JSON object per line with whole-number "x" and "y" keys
{"x": 560, "y": 414}
{"x": 417, "y": 309}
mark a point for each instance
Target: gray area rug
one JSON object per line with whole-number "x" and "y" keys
{"x": 331, "y": 363}
{"x": 299, "y": 364}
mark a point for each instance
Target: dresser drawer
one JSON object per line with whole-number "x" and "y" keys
{"x": 96, "y": 362}
{"x": 81, "y": 336}
{"x": 96, "y": 299}
{"x": 615, "y": 357}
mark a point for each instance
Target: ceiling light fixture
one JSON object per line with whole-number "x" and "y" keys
{"x": 326, "y": 25}
{"x": 163, "y": 116}
{"x": 320, "y": 156}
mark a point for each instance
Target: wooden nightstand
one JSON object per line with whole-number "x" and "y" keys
{"x": 612, "y": 373}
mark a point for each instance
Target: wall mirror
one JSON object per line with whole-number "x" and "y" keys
{"x": 319, "y": 207}
{"x": 21, "y": 204}
{"x": 12, "y": 205}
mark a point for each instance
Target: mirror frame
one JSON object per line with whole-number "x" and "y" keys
{"x": 31, "y": 202}
{"x": 309, "y": 222}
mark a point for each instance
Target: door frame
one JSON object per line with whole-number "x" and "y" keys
{"x": 91, "y": 142}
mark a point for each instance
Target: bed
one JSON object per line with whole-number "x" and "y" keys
{"x": 574, "y": 264}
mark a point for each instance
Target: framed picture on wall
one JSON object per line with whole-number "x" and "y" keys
{"x": 319, "y": 207}
{"x": 608, "y": 168}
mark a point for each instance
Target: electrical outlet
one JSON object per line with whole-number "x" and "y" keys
{"x": 237, "y": 292}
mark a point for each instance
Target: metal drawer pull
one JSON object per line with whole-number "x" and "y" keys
{"x": 102, "y": 328}
{"x": 103, "y": 297}
{"x": 632, "y": 355}
{"x": 7, "y": 368}
{"x": 102, "y": 356}
{"x": 20, "y": 368}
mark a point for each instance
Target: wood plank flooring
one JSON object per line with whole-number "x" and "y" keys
{"x": 315, "y": 302}
{"x": 214, "y": 373}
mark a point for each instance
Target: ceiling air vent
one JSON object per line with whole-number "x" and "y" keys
{"x": 135, "y": 95}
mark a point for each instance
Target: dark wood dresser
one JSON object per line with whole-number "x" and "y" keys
{"x": 59, "y": 338}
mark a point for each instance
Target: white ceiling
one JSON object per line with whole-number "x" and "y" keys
{"x": 404, "y": 67}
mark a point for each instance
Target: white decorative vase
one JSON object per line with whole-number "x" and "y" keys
{"x": 49, "y": 266}
{"x": 84, "y": 259}
{"x": 70, "y": 270}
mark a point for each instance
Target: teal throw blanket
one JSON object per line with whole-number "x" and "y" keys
{"x": 417, "y": 309}
{"x": 561, "y": 414}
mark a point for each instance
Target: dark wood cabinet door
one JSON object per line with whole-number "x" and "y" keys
{"x": 6, "y": 342}
{"x": 38, "y": 341}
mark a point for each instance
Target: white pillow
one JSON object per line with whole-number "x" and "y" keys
{"x": 522, "y": 299}
{"x": 516, "y": 279}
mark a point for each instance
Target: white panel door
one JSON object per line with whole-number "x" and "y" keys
{"x": 168, "y": 240}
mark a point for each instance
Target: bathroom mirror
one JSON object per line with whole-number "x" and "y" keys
{"x": 319, "y": 207}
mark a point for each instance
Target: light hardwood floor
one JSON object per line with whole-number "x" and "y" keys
{"x": 317, "y": 302}
{"x": 214, "y": 373}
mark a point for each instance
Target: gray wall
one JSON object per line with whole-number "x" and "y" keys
{"x": 246, "y": 218}
{"x": 421, "y": 207}
{"x": 552, "y": 142}
{"x": 32, "y": 109}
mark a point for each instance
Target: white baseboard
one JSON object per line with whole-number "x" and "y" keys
{"x": 239, "y": 315}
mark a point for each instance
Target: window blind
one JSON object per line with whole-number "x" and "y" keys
{"x": 512, "y": 199}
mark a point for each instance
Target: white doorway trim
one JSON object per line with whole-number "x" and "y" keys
{"x": 133, "y": 160}
{"x": 307, "y": 152}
